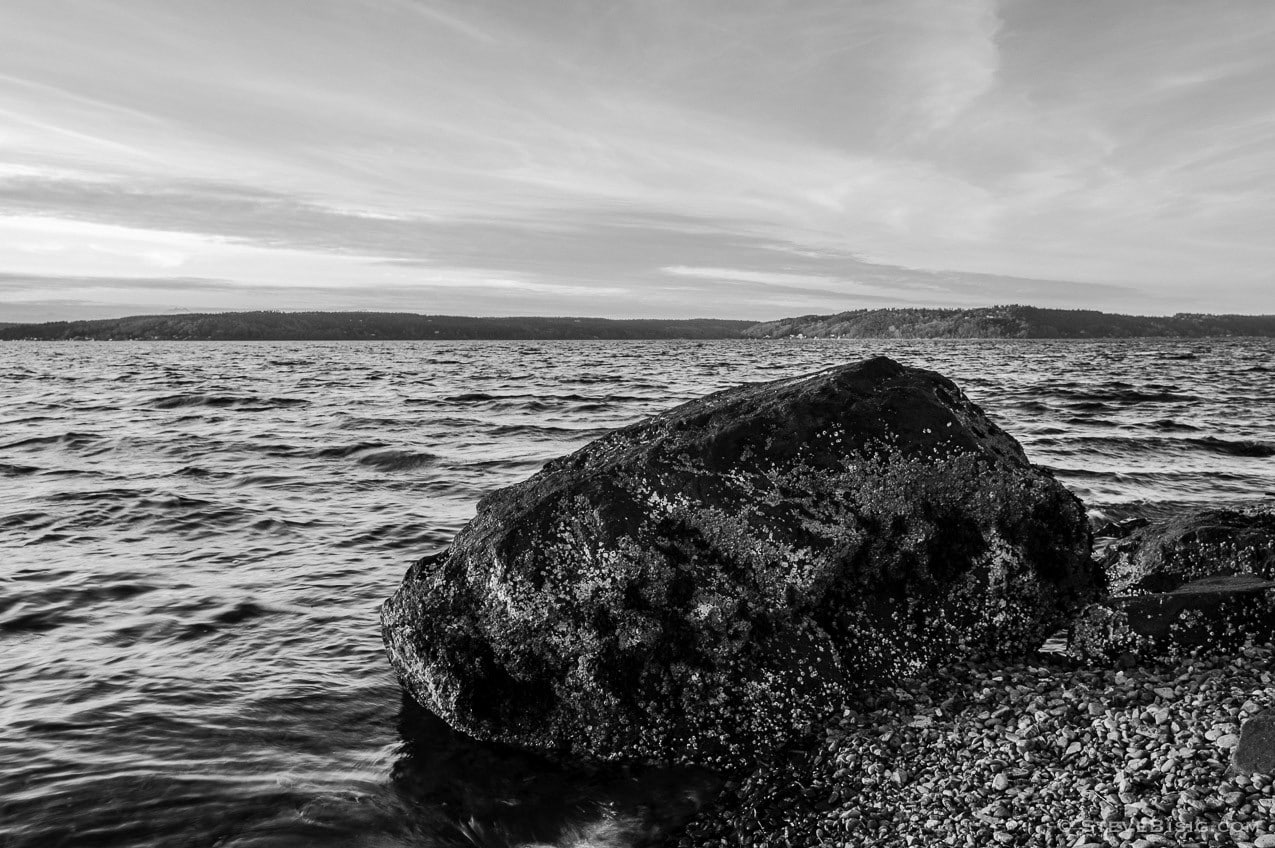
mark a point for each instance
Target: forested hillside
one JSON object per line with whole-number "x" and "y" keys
{"x": 1008, "y": 322}
{"x": 247, "y": 326}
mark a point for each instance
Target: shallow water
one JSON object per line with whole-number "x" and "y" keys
{"x": 195, "y": 538}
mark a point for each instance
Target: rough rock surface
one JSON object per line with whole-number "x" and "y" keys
{"x": 1164, "y": 554}
{"x": 1213, "y": 613}
{"x": 1255, "y": 753}
{"x": 698, "y": 586}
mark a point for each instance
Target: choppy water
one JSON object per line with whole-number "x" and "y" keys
{"x": 194, "y": 539}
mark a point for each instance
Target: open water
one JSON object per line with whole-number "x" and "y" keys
{"x": 195, "y": 537}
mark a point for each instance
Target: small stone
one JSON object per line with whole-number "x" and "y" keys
{"x": 1265, "y": 841}
{"x": 1228, "y": 741}
{"x": 1001, "y": 782}
{"x": 1256, "y": 749}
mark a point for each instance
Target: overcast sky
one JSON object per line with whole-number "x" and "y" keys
{"x": 730, "y": 158}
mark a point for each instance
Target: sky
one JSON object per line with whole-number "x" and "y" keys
{"x": 635, "y": 158}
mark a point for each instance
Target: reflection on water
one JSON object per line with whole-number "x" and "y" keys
{"x": 195, "y": 538}
{"x": 491, "y": 795}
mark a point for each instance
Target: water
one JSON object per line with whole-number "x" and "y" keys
{"x": 194, "y": 539}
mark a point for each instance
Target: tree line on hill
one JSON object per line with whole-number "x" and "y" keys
{"x": 352, "y": 326}
{"x": 999, "y": 322}
{"x": 1008, "y": 322}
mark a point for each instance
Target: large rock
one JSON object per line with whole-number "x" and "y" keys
{"x": 698, "y": 586}
{"x": 1165, "y": 554}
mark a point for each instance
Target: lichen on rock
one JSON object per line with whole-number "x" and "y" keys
{"x": 1167, "y": 553}
{"x": 1212, "y": 613}
{"x": 700, "y": 585}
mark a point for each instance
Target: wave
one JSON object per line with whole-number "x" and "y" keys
{"x": 397, "y": 460}
{"x": 341, "y": 451}
{"x": 1121, "y": 395}
{"x": 359, "y": 423}
{"x": 1169, "y": 424}
{"x": 372, "y": 454}
{"x": 70, "y": 440}
{"x": 399, "y": 536}
{"x": 1167, "y": 445}
{"x": 240, "y": 612}
{"x": 35, "y": 621}
{"x": 241, "y": 402}
{"x": 573, "y": 397}
{"x": 1092, "y": 422}
{"x": 1241, "y": 447}
{"x": 542, "y": 430}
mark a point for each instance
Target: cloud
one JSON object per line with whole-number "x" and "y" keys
{"x": 560, "y": 155}
{"x": 854, "y": 281}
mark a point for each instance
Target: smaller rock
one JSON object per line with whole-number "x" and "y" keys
{"x": 1228, "y": 741}
{"x": 1265, "y": 841}
{"x": 1213, "y": 612}
{"x": 1255, "y": 752}
{"x": 1001, "y": 782}
{"x": 1162, "y": 555}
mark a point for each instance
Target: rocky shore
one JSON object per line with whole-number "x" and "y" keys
{"x": 832, "y": 592}
{"x": 1040, "y": 753}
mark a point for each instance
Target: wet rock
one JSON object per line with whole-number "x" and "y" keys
{"x": 1164, "y": 554}
{"x": 1256, "y": 750}
{"x": 492, "y": 795}
{"x": 699, "y": 586}
{"x": 1216, "y": 612}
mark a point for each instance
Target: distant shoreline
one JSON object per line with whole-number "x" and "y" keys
{"x": 999, "y": 322}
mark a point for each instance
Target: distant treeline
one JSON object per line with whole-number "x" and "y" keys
{"x": 340, "y": 326}
{"x": 1007, "y": 322}
{"x": 998, "y": 322}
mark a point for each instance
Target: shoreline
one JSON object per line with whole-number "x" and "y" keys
{"x": 1042, "y": 752}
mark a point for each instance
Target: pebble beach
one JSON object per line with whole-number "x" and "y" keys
{"x": 1045, "y": 752}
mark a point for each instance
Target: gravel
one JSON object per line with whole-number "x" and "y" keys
{"x": 1042, "y": 753}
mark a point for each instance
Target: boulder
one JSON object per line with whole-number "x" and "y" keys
{"x": 701, "y": 585}
{"x": 1255, "y": 753}
{"x": 1213, "y": 613}
{"x": 1164, "y": 554}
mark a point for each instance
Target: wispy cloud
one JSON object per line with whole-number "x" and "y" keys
{"x": 528, "y": 157}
